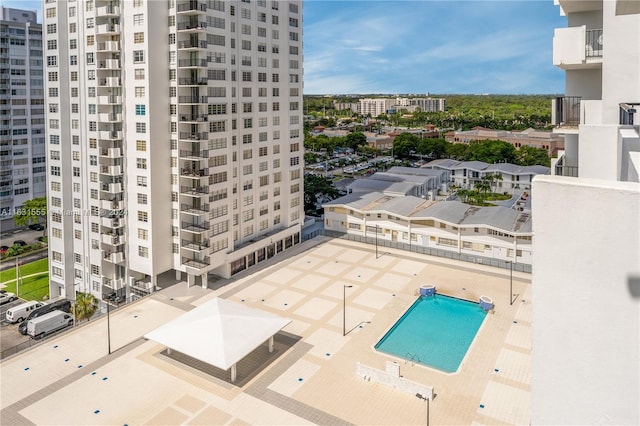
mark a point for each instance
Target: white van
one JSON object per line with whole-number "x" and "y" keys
{"x": 20, "y": 312}
{"x": 48, "y": 323}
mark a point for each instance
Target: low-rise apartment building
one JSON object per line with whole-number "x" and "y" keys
{"x": 466, "y": 174}
{"x": 498, "y": 233}
{"x": 549, "y": 141}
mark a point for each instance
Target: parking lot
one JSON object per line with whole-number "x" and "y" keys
{"x": 9, "y": 335}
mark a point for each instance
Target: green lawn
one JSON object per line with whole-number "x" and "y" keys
{"x": 31, "y": 288}
{"x": 41, "y": 265}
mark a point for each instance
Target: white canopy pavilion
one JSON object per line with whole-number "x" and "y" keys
{"x": 219, "y": 333}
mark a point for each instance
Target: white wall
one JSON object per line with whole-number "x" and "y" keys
{"x": 586, "y": 323}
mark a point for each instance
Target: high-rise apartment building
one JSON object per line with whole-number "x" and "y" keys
{"x": 586, "y": 262}
{"x": 175, "y": 139}
{"x": 22, "y": 133}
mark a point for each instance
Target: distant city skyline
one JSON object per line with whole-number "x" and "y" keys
{"x": 415, "y": 47}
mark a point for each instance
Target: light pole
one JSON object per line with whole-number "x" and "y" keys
{"x": 109, "y": 325}
{"x": 510, "y": 282}
{"x": 420, "y": 396}
{"x": 344, "y": 309}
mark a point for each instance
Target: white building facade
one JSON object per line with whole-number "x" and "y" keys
{"x": 586, "y": 275}
{"x": 174, "y": 140}
{"x": 22, "y": 130}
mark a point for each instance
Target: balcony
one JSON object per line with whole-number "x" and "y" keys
{"x": 192, "y": 63}
{"x": 196, "y": 174}
{"x": 627, "y": 113}
{"x": 108, "y": 46}
{"x": 112, "y": 188}
{"x": 195, "y": 245}
{"x": 186, "y": 154}
{"x": 563, "y": 170}
{"x": 109, "y": 118}
{"x": 577, "y": 48}
{"x": 110, "y": 205}
{"x": 110, "y": 134}
{"x": 114, "y": 257}
{"x": 108, "y": 29}
{"x": 196, "y": 263}
{"x": 193, "y": 100}
{"x": 112, "y": 223}
{"x": 196, "y": 210}
{"x": 113, "y": 284}
{"x": 192, "y": 26}
{"x": 193, "y": 82}
{"x": 565, "y": 111}
{"x": 196, "y": 191}
{"x": 111, "y": 170}
{"x": 196, "y": 228}
{"x": 109, "y": 100}
{"x": 187, "y": 118}
{"x": 107, "y": 11}
{"x": 192, "y": 44}
{"x": 109, "y": 64}
{"x": 191, "y": 7}
{"x": 112, "y": 239}
{"x": 111, "y": 82}
{"x": 203, "y": 136}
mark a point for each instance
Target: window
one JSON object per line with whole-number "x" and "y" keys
{"x": 139, "y": 92}
{"x": 143, "y": 251}
{"x": 139, "y": 74}
{"x": 141, "y": 180}
{"x": 141, "y": 127}
{"x": 141, "y": 109}
{"x": 52, "y": 61}
{"x": 138, "y": 37}
{"x": 138, "y": 56}
{"x": 143, "y": 217}
{"x": 141, "y": 145}
{"x": 138, "y": 19}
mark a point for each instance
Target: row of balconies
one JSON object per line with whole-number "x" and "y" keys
{"x": 192, "y": 25}
{"x": 191, "y": 7}
{"x": 110, "y": 99}
{"x": 195, "y": 245}
{"x": 192, "y": 81}
{"x": 192, "y": 63}
{"x": 194, "y": 190}
{"x": 192, "y": 44}
{"x": 194, "y": 209}
{"x": 109, "y": 64}
{"x": 193, "y": 117}
{"x": 109, "y": 82}
{"x": 194, "y": 173}
{"x": 114, "y": 188}
{"x": 108, "y": 46}
{"x": 195, "y": 227}
{"x": 110, "y": 134}
{"x": 194, "y": 154}
{"x": 196, "y": 263}
{"x": 114, "y": 257}
{"x": 108, "y": 10}
{"x": 108, "y": 29}
{"x": 202, "y": 136}
{"x": 109, "y": 118}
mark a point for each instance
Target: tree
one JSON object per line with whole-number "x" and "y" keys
{"x": 85, "y": 306}
{"x": 491, "y": 179}
{"x": 404, "y": 143}
{"x": 315, "y": 186}
{"x": 355, "y": 140}
{"x": 31, "y": 212}
{"x": 531, "y": 156}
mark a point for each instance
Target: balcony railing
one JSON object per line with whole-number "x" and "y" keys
{"x": 202, "y": 136}
{"x": 567, "y": 111}
{"x": 195, "y": 245}
{"x": 196, "y": 263}
{"x": 627, "y": 113}
{"x": 183, "y": 26}
{"x": 195, "y": 6}
{"x": 192, "y": 81}
{"x": 194, "y": 190}
{"x": 563, "y": 170}
{"x": 194, "y": 62}
{"x": 192, "y": 100}
{"x": 194, "y": 154}
{"x": 192, "y": 44}
{"x": 198, "y": 118}
{"x": 197, "y": 210}
{"x": 195, "y": 227}
{"x": 194, "y": 173}
{"x": 593, "y": 44}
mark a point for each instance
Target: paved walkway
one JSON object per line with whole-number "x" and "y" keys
{"x": 311, "y": 379}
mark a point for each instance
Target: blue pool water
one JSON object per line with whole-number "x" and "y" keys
{"x": 436, "y": 331}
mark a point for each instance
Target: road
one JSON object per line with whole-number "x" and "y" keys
{"x": 27, "y": 236}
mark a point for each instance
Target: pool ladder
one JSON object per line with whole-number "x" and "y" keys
{"x": 413, "y": 358}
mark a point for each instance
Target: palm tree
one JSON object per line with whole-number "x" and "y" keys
{"x": 85, "y": 306}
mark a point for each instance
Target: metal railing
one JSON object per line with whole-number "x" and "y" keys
{"x": 188, "y": 44}
{"x": 194, "y": 154}
{"x": 191, "y": 6}
{"x": 567, "y": 111}
{"x": 593, "y": 44}
{"x": 194, "y": 136}
{"x": 627, "y": 112}
{"x": 202, "y": 25}
{"x": 192, "y": 81}
{"x": 564, "y": 170}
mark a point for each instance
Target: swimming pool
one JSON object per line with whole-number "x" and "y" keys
{"x": 435, "y": 331}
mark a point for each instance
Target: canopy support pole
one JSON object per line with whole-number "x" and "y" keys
{"x": 270, "y": 344}
{"x": 233, "y": 373}
{"x": 168, "y": 351}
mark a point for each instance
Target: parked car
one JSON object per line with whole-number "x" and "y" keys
{"x": 4, "y": 249}
{"x": 48, "y": 323}
{"x": 36, "y": 227}
{"x": 19, "y": 243}
{"x": 63, "y": 305}
{"x": 20, "y": 312}
{"x": 6, "y": 297}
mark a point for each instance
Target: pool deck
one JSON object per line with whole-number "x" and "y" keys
{"x": 310, "y": 379}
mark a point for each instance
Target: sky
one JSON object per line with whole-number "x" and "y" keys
{"x": 425, "y": 46}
